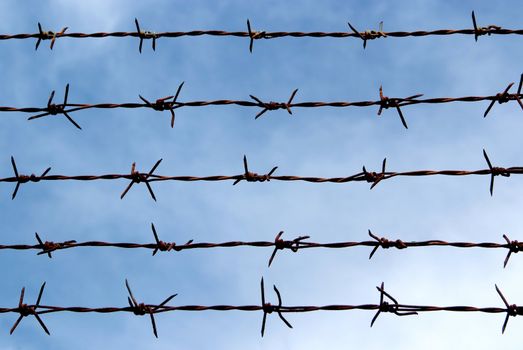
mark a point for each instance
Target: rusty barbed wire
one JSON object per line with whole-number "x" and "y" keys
{"x": 294, "y": 245}
{"x": 254, "y": 35}
{"x": 171, "y": 103}
{"x": 387, "y": 304}
{"x": 147, "y": 178}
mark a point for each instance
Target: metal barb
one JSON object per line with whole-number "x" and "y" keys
{"x": 478, "y": 31}
{"x": 141, "y": 309}
{"x": 253, "y": 177}
{"x": 163, "y": 104}
{"x": 359, "y": 35}
{"x": 387, "y": 102}
{"x": 20, "y": 179}
{"x": 374, "y": 177}
{"x": 513, "y": 247}
{"x": 48, "y": 246}
{"x": 254, "y": 35}
{"x": 26, "y": 310}
{"x": 385, "y": 244}
{"x": 137, "y": 177}
{"x": 384, "y": 306}
{"x": 43, "y": 245}
{"x": 369, "y": 34}
{"x": 161, "y": 245}
{"x": 145, "y": 35}
{"x": 512, "y": 309}
{"x": 504, "y": 97}
{"x": 280, "y": 244}
{"x": 272, "y": 106}
{"x": 268, "y": 308}
{"x": 494, "y": 171}
{"x": 55, "y": 109}
{"x": 48, "y": 35}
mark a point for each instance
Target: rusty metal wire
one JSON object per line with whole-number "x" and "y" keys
{"x": 387, "y": 304}
{"x": 368, "y": 176}
{"x": 294, "y": 245}
{"x": 171, "y": 103}
{"x": 254, "y": 35}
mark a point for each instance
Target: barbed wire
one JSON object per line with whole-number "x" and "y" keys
{"x": 294, "y": 245}
{"x": 171, "y": 103}
{"x": 387, "y": 304}
{"x": 254, "y": 35}
{"x": 372, "y": 177}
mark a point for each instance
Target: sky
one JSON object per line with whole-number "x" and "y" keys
{"x": 212, "y": 140}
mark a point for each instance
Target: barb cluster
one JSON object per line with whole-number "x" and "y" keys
{"x": 163, "y": 104}
{"x": 394, "y": 308}
{"x": 48, "y": 35}
{"x": 253, "y": 177}
{"x": 272, "y": 106}
{"x": 137, "y": 177}
{"x": 369, "y": 34}
{"x": 22, "y": 179}
{"x": 29, "y": 310}
{"x": 141, "y": 309}
{"x": 478, "y": 31}
{"x": 55, "y": 109}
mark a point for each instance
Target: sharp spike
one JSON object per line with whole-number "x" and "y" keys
{"x": 72, "y": 120}
{"x": 42, "y": 324}
{"x": 150, "y": 190}
{"x": 13, "y": 164}
{"x": 178, "y": 91}
{"x": 475, "y": 26}
{"x": 127, "y": 189}
{"x": 245, "y": 166}
{"x": 50, "y": 100}
{"x": 45, "y": 172}
{"x": 154, "y": 233}
{"x": 66, "y": 95}
{"x": 154, "y": 167}
{"x": 135, "y": 303}
{"x": 153, "y": 324}
{"x": 13, "y": 196}
{"x": 17, "y": 322}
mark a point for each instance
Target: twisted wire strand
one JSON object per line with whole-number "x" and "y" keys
{"x": 387, "y": 304}
{"x": 374, "y": 178}
{"x": 172, "y": 103}
{"x": 254, "y": 35}
{"x": 295, "y": 245}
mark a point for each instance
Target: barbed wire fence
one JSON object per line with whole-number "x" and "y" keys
{"x": 387, "y": 303}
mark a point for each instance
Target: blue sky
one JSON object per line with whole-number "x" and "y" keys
{"x": 213, "y": 140}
